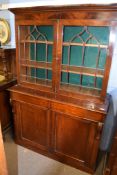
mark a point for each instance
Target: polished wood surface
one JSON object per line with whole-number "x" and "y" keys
{"x": 3, "y": 165}
{"x": 60, "y": 121}
{"x": 68, "y": 141}
{"x": 63, "y": 131}
{"x": 39, "y": 117}
{"x": 5, "y": 109}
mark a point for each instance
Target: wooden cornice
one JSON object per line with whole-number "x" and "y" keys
{"x": 103, "y": 8}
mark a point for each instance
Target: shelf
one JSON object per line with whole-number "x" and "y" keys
{"x": 83, "y": 70}
{"x": 36, "y": 64}
{"x": 36, "y": 41}
{"x": 35, "y": 80}
{"x": 7, "y": 84}
{"x": 84, "y": 44}
{"x": 80, "y": 89}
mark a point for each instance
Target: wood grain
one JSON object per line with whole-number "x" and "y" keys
{"x": 3, "y": 165}
{"x": 58, "y": 120}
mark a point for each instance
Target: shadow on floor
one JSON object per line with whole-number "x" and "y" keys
{"x": 11, "y": 150}
{"x": 22, "y": 161}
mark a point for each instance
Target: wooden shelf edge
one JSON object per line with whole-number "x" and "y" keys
{"x": 36, "y": 41}
{"x": 85, "y": 45}
{"x": 6, "y": 84}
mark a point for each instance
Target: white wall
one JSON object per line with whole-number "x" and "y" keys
{"x": 112, "y": 84}
{"x": 21, "y": 3}
{"x": 57, "y": 2}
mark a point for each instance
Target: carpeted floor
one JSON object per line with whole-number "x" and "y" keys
{"x": 22, "y": 161}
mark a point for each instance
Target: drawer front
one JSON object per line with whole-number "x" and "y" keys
{"x": 60, "y": 107}
{"x": 23, "y": 97}
{"x": 77, "y": 111}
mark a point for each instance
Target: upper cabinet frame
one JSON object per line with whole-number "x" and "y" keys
{"x": 83, "y": 16}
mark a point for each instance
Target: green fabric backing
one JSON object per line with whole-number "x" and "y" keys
{"x": 101, "y": 35}
{"x": 40, "y": 54}
{"x": 87, "y": 81}
{"x": 47, "y": 31}
{"x": 41, "y": 73}
{"x": 90, "y": 54}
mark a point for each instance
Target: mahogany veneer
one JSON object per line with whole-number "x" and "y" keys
{"x": 55, "y": 113}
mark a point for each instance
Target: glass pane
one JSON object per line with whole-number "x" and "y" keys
{"x": 75, "y": 55}
{"x": 70, "y": 78}
{"x": 40, "y": 73}
{"x": 74, "y": 78}
{"x": 102, "y": 58}
{"x": 90, "y": 57}
{"x": 33, "y": 72}
{"x": 100, "y": 33}
{"x": 70, "y": 32}
{"x": 49, "y": 77}
{"x": 64, "y": 77}
{"x": 44, "y": 31}
{"x": 88, "y": 81}
{"x": 36, "y": 53}
{"x": 40, "y": 53}
{"x": 84, "y": 55}
{"x": 99, "y": 82}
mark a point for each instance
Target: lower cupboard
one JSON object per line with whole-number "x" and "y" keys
{"x": 68, "y": 138}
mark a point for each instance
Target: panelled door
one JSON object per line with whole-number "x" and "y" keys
{"x": 75, "y": 140}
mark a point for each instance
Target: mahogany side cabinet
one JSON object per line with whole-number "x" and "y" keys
{"x": 7, "y": 70}
{"x": 63, "y": 59}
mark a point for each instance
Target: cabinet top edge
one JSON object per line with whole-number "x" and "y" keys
{"x": 86, "y": 7}
{"x": 98, "y": 106}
